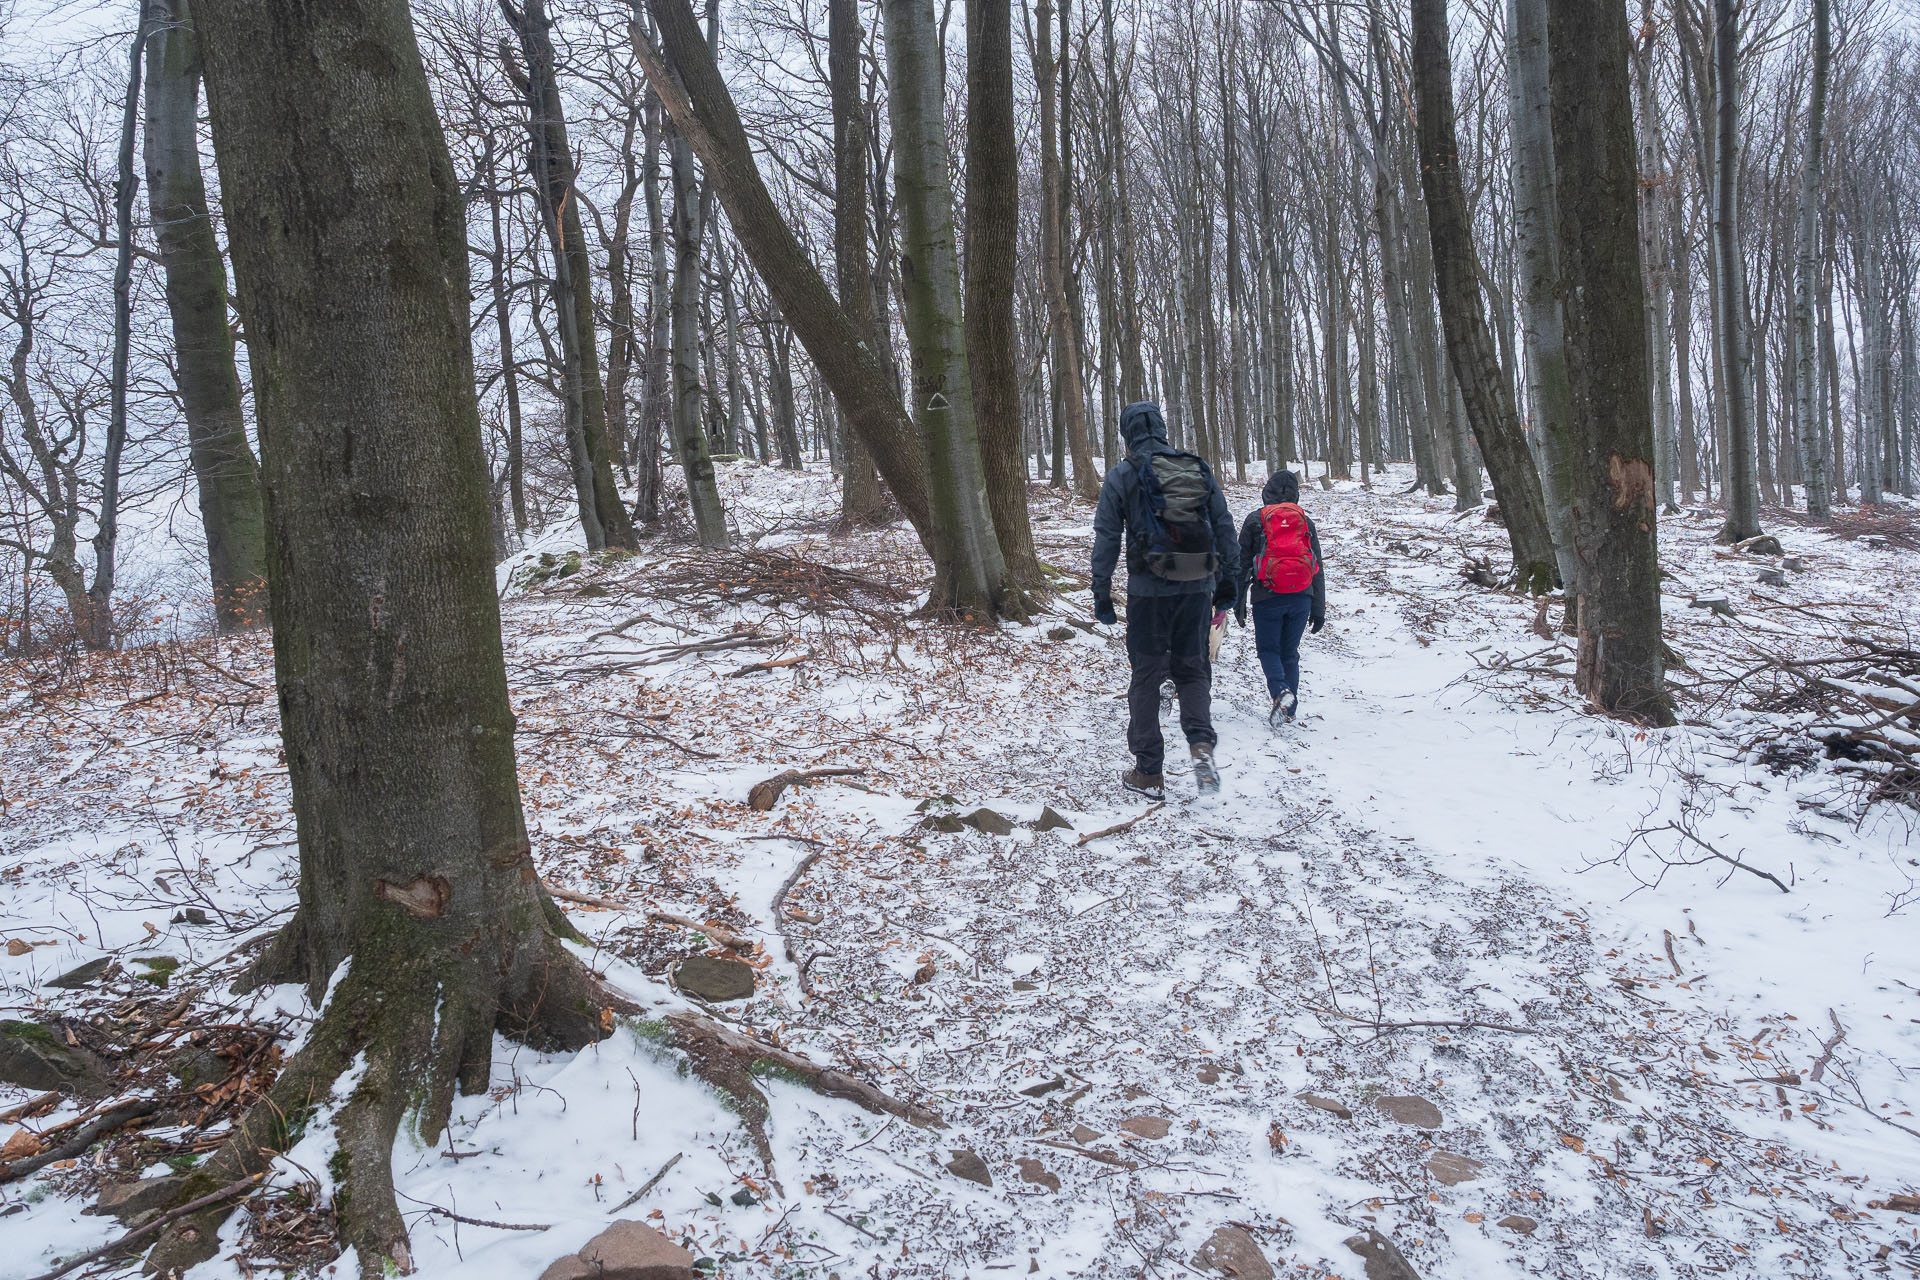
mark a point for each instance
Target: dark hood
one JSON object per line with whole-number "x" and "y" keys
{"x": 1141, "y": 422}
{"x": 1282, "y": 486}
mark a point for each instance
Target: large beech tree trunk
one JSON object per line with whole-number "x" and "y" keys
{"x": 603, "y": 516}
{"x": 691, "y": 201}
{"x": 1536, "y": 211}
{"x": 967, "y": 557}
{"x": 1476, "y": 365}
{"x": 1615, "y": 520}
{"x": 862, "y": 501}
{"x": 1069, "y": 385}
{"x": 224, "y": 471}
{"x": 1740, "y": 486}
{"x": 682, "y": 71}
{"x": 993, "y": 230}
{"x": 655, "y": 395}
{"x": 1806, "y": 279}
{"x": 348, "y": 231}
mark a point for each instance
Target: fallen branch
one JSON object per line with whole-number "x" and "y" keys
{"x": 772, "y": 664}
{"x": 650, "y": 1183}
{"x": 1826, "y": 1050}
{"x": 718, "y": 932}
{"x": 694, "y": 1032}
{"x": 31, "y": 1105}
{"x": 484, "y": 1222}
{"x": 140, "y": 1233}
{"x": 1462, "y": 1024}
{"x": 1729, "y": 859}
{"x": 765, "y": 795}
{"x": 1117, "y": 828}
{"x": 1091, "y": 1153}
{"x": 88, "y": 1134}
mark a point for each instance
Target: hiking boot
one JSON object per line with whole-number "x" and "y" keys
{"x": 1283, "y": 708}
{"x": 1205, "y": 776}
{"x": 1151, "y": 785}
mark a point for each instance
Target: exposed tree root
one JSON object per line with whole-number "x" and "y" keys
{"x": 412, "y": 1035}
{"x": 419, "y": 1032}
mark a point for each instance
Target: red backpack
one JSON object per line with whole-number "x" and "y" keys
{"x": 1288, "y": 564}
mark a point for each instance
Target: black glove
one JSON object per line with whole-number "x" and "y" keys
{"x": 1316, "y": 622}
{"x": 1103, "y": 604}
{"x": 1240, "y": 613}
{"x": 1223, "y": 595}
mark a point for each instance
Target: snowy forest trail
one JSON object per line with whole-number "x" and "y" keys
{"x": 1194, "y": 1025}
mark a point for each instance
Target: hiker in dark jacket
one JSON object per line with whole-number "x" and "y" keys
{"x": 1288, "y": 588}
{"x": 1171, "y": 598}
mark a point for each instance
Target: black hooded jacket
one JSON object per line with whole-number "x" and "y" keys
{"x": 1281, "y": 486}
{"x": 1145, "y": 433}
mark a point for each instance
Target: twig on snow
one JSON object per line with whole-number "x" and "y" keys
{"x": 140, "y": 1233}
{"x": 1826, "y": 1050}
{"x": 650, "y": 1183}
{"x": 1463, "y": 1024}
{"x": 1117, "y": 828}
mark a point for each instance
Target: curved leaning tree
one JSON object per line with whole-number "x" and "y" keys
{"x": 422, "y": 921}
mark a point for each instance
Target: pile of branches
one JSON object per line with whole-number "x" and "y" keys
{"x": 1862, "y": 704}
{"x": 774, "y": 580}
{"x": 1881, "y": 526}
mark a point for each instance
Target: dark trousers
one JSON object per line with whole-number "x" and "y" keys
{"x": 1167, "y": 639}
{"x": 1278, "y": 624}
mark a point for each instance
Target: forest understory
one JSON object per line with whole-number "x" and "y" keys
{"x": 1450, "y": 963}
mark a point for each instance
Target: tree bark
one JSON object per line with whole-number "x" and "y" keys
{"x": 691, "y": 201}
{"x": 685, "y": 76}
{"x": 1069, "y": 386}
{"x": 1484, "y": 388}
{"x": 1679, "y": 255}
{"x": 967, "y": 560}
{"x": 656, "y": 397}
{"x": 1619, "y": 667}
{"x": 1536, "y": 211}
{"x": 225, "y": 473}
{"x": 863, "y": 501}
{"x": 348, "y": 224}
{"x": 1133, "y": 376}
{"x": 1656, "y": 204}
{"x": 1434, "y": 374}
{"x": 603, "y": 517}
{"x": 621, "y": 346}
{"x": 503, "y": 323}
{"x": 993, "y": 252}
{"x": 95, "y": 625}
{"x": 1740, "y": 483}
{"x": 1237, "y": 317}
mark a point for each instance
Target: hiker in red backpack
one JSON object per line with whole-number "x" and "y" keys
{"x": 1280, "y": 565}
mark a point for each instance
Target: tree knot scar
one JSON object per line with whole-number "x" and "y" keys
{"x": 517, "y": 853}
{"x": 423, "y": 896}
{"x": 1632, "y": 481}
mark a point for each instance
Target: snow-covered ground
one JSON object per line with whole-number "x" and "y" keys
{"x": 1677, "y": 1069}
